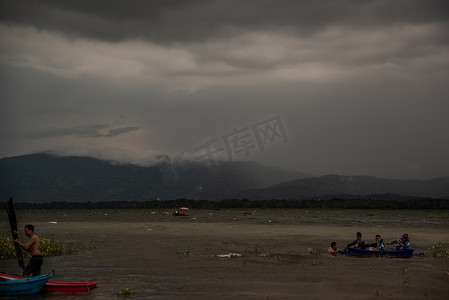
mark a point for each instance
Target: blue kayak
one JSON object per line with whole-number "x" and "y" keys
{"x": 24, "y": 286}
{"x": 366, "y": 252}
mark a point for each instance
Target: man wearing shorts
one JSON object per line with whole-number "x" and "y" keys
{"x": 34, "y": 247}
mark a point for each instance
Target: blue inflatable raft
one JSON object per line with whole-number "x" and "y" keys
{"x": 366, "y": 252}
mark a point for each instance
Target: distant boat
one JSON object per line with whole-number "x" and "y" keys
{"x": 54, "y": 286}
{"x": 182, "y": 211}
{"x": 367, "y": 252}
{"x": 23, "y": 286}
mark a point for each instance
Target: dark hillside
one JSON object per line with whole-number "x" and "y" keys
{"x": 47, "y": 178}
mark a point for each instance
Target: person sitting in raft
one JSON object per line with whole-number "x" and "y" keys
{"x": 358, "y": 243}
{"x": 403, "y": 242}
{"x": 333, "y": 248}
{"x": 379, "y": 245}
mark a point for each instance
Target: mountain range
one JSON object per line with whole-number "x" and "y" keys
{"x": 43, "y": 178}
{"x": 331, "y": 186}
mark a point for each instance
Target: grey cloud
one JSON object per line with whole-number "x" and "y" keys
{"x": 82, "y": 131}
{"x": 181, "y": 21}
{"x": 118, "y": 131}
{"x": 360, "y": 85}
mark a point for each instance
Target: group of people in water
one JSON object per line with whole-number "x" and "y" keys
{"x": 403, "y": 243}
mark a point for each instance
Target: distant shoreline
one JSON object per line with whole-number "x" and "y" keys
{"x": 336, "y": 203}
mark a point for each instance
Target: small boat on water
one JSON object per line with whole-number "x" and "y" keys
{"x": 182, "y": 211}
{"x": 53, "y": 286}
{"x": 23, "y": 286}
{"x": 369, "y": 252}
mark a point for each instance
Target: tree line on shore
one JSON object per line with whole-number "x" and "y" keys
{"x": 335, "y": 203}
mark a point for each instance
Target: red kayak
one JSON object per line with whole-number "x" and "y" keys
{"x": 53, "y": 286}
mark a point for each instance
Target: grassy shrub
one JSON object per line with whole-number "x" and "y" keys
{"x": 436, "y": 251}
{"x": 125, "y": 292}
{"x": 315, "y": 251}
{"x": 256, "y": 250}
{"x": 317, "y": 262}
{"x": 6, "y": 247}
{"x": 49, "y": 247}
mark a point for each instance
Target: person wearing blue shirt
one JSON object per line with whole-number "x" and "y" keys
{"x": 403, "y": 242}
{"x": 379, "y": 244}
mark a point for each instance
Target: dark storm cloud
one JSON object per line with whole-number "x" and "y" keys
{"x": 360, "y": 85}
{"x": 185, "y": 21}
{"x": 82, "y": 131}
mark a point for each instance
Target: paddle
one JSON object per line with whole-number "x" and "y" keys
{"x": 13, "y": 224}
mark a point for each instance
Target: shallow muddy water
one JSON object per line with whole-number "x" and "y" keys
{"x": 239, "y": 254}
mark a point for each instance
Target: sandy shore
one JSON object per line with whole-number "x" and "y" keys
{"x": 189, "y": 258}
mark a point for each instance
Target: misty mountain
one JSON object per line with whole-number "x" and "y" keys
{"x": 351, "y": 186}
{"x": 47, "y": 178}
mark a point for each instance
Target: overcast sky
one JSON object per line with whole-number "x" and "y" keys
{"x": 345, "y": 87}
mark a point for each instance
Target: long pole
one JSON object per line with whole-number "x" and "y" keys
{"x": 13, "y": 224}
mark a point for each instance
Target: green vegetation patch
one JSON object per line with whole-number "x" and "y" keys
{"x": 125, "y": 292}
{"x": 435, "y": 216}
{"x": 6, "y": 247}
{"x": 256, "y": 250}
{"x": 315, "y": 251}
{"x": 50, "y": 246}
{"x": 317, "y": 262}
{"x": 437, "y": 251}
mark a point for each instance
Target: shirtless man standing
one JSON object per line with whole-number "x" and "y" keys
{"x": 34, "y": 247}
